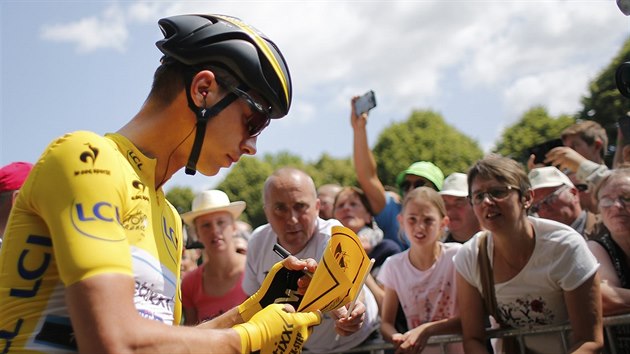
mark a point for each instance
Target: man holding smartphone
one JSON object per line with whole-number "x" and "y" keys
{"x": 583, "y": 141}
{"x": 588, "y": 171}
{"x": 385, "y": 207}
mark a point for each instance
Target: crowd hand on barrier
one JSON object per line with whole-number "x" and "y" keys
{"x": 277, "y": 329}
{"x": 412, "y": 341}
{"x": 344, "y": 325}
{"x": 286, "y": 282}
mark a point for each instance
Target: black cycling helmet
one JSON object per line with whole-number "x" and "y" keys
{"x": 232, "y": 45}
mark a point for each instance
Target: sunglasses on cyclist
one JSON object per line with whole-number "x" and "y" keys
{"x": 260, "y": 118}
{"x": 406, "y": 185}
{"x": 494, "y": 194}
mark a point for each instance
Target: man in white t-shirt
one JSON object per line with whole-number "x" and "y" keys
{"x": 292, "y": 208}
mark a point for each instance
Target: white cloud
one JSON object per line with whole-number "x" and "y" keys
{"x": 144, "y": 12}
{"x": 522, "y": 53}
{"x": 107, "y": 31}
{"x": 559, "y": 91}
{"x": 541, "y": 36}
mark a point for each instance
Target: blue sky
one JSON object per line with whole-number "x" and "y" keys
{"x": 87, "y": 65}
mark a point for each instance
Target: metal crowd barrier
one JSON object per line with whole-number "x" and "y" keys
{"x": 443, "y": 340}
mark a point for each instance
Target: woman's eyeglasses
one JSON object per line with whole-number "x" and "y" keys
{"x": 494, "y": 194}
{"x": 415, "y": 184}
{"x": 607, "y": 202}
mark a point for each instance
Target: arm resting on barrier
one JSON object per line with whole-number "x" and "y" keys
{"x": 473, "y": 331}
{"x": 584, "y": 305}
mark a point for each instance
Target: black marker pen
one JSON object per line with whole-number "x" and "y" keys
{"x": 280, "y": 251}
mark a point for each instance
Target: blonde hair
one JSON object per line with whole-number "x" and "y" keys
{"x": 427, "y": 194}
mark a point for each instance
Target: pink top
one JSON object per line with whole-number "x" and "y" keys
{"x": 209, "y": 307}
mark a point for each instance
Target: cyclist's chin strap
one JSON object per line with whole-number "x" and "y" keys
{"x": 203, "y": 115}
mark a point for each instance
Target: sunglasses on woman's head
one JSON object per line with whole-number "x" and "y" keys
{"x": 415, "y": 184}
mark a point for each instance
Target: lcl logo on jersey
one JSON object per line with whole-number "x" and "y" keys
{"x": 89, "y": 157}
{"x": 131, "y": 156}
{"x": 91, "y": 219}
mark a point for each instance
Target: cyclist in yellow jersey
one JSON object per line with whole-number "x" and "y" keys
{"x": 92, "y": 249}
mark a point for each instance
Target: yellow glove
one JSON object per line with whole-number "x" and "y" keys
{"x": 279, "y": 286}
{"x": 273, "y": 330}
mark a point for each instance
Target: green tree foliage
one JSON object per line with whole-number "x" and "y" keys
{"x": 425, "y": 136}
{"x": 534, "y": 127}
{"x": 604, "y": 104}
{"x": 181, "y": 198}
{"x": 330, "y": 170}
{"x": 244, "y": 182}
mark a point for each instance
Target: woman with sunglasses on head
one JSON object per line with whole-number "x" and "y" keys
{"x": 611, "y": 247}
{"x": 524, "y": 271}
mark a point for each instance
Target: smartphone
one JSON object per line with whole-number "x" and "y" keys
{"x": 364, "y": 103}
{"x": 542, "y": 149}
{"x": 624, "y": 125}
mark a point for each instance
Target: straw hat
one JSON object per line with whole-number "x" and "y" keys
{"x": 212, "y": 201}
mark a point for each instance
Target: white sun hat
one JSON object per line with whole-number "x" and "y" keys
{"x": 212, "y": 201}
{"x": 548, "y": 176}
{"x": 455, "y": 184}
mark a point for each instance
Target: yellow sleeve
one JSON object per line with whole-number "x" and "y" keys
{"x": 79, "y": 189}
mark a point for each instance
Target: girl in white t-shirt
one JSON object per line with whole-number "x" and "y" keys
{"x": 422, "y": 278}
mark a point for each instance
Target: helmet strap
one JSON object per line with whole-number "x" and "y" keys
{"x": 203, "y": 116}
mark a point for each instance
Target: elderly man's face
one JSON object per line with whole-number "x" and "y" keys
{"x": 557, "y": 203}
{"x": 461, "y": 215}
{"x": 292, "y": 207}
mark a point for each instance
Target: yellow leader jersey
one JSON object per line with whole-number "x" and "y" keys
{"x": 88, "y": 207}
